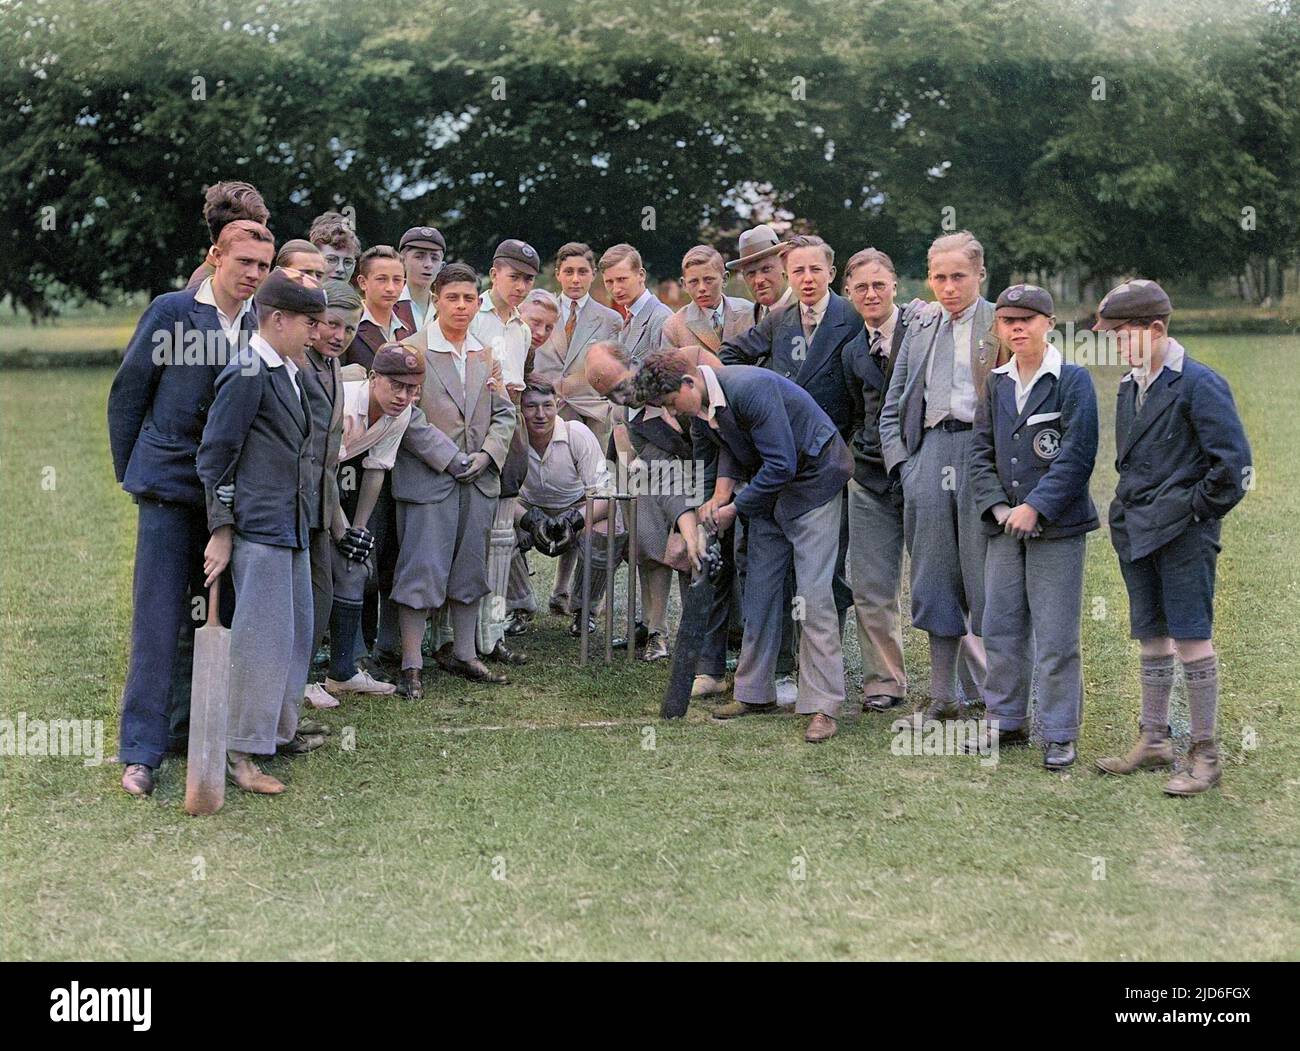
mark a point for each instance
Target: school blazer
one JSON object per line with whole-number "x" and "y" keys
{"x": 778, "y": 342}
{"x": 156, "y": 412}
{"x": 559, "y": 357}
{"x": 1181, "y": 459}
{"x": 867, "y": 377}
{"x": 325, "y": 395}
{"x": 645, "y": 333}
{"x": 774, "y": 434}
{"x": 457, "y": 419}
{"x": 690, "y": 327}
{"x": 902, "y": 420}
{"x": 1042, "y": 454}
{"x": 258, "y": 437}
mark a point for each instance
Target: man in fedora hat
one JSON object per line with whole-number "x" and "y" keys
{"x": 759, "y": 263}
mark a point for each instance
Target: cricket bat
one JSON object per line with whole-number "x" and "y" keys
{"x": 205, "y": 776}
{"x": 687, "y": 649}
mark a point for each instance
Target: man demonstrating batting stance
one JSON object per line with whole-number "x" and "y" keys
{"x": 156, "y": 411}
{"x": 770, "y": 431}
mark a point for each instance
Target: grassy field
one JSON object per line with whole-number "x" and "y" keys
{"x": 557, "y": 818}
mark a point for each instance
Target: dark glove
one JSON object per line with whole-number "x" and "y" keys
{"x": 529, "y": 528}
{"x": 574, "y": 524}
{"x": 552, "y": 536}
{"x": 356, "y": 544}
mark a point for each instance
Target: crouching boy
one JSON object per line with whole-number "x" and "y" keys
{"x": 1183, "y": 462}
{"x": 1031, "y": 456}
{"x": 259, "y": 431}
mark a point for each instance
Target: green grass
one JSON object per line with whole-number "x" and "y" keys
{"x": 611, "y": 849}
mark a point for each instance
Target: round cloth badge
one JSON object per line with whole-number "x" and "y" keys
{"x": 1047, "y": 444}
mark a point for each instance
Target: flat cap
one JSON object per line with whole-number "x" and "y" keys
{"x": 1133, "y": 299}
{"x": 423, "y": 237}
{"x": 1024, "y": 301}
{"x": 519, "y": 254}
{"x": 398, "y": 362}
{"x": 292, "y": 290}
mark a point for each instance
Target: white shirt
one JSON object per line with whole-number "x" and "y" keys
{"x": 393, "y": 322}
{"x": 717, "y": 400}
{"x": 818, "y": 309}
{"x": 439, "y": 345}
{"x": 230, "y": 326}
{"x": 571, "y": 466}
{"x": 418, "y": 313}
{"x": 786, "y": 298}
{"x": 1050, "y": 365}
{"x": 274, "y": 360}
{"x": 1173, "y": 361}
{"x": 508, "y": 339}
{"x": 380, "y": 438}
{"x": 886, "y": 332}
{"x": 571, "y": 306}
{"x": 641, "y": 301}
{"x": 962, "y": 404}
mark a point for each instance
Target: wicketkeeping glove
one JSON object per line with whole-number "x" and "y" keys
{"x": 356, "y": 544}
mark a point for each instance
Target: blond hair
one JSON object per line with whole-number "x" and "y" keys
{"x": 704, "y": 255}
{"x": 620, "y": 253}
{"x": 961, "y": 241}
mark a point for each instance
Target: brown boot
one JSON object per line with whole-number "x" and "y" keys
{"x": 1153, "y": 750}
{"x": 1202, "y": 771}
{"x": 244, "y": 772}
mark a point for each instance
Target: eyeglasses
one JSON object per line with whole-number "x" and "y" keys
{"x": 347, "y": 262}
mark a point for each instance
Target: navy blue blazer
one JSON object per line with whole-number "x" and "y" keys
{"x": 867, "y": 378}
{"x": 777, "y": 343}
{"x": 259, "y": 436}
{"x": 773, "y": 434}
{"x": 1181, "y": 459}
{"x": 1042, "y": 454}
{"x": 158, "y": 405}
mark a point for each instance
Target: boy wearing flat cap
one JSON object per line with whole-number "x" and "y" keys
{"x": 376, "y": 411}
{"x": 1031, "y": 456}
{"x": 422, "y": 249}
{"x": 259, "y": 432}
{"x": 1184, "y": 463}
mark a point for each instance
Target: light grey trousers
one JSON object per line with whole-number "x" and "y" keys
{"x": 270, "y": 644}
{"x": 1032, "y": 618}
{"x": 812, "y": 543}
{"x": 876, "y": 576}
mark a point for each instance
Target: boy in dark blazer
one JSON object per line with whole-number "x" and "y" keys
{"x": 768, "y": 431}
{"x": 157, "y": 407}
{"x": 1184, "y": 462}
{"x": 260, "y": 432}
{"x": 1031, "y": 456}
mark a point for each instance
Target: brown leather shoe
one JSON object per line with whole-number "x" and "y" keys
{"x": 1202, "y": 771}
{"x": 938, "y": 711}
{"x": 656, "y": 648}
{"x": 736, "y": 709}
{"x": 137, "y": 779}
{"x": 502, "y": 654}
{"x": 475, "y": 671}
{"x": 245, "y": 773}
{"x": 881, "y": 702}
{"x": 821, "y": 728}
{"x": 1153, "y": 751}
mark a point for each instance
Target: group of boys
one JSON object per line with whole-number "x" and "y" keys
{"x": 378, "y": 444}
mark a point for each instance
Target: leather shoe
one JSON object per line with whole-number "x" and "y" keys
{"x": 246, "y": 775}
{"x": 575, "y": 628}
{"x": 475, "y": 671}
{"x": 302, "y": 744}
{"x": 880, "y": 702}
{"x": 313, "y": 726}
{"x": 517, "y": 623}
{"x": 642, "y": 637}
{"x": 821, "y": 728}
{"x": 736, "y": 709}
{"x": 983, "y": 741}
{"x": 1059, "y": 754}
{"x": 558, "y": 606}
{"x": 940, "y": 710}
{"x": 656, "y": 648}
{"x": 412, "y": 685}
{"x": 502, "y": 654}
{"x": 137, "y": 779}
